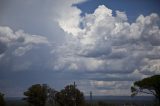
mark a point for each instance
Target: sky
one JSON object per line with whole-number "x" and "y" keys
{"x": 102, "y": 45}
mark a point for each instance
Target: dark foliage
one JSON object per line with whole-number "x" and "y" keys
{"x": 37, "y": 95}
{"x": 70, "y": 96}
{"x": 150, "y": 85}
{"x": 2, "y": 101}
{"x": 51, "y": 96}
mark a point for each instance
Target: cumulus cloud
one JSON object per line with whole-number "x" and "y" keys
{"x": 23, "y": 41}
{"x": 17, "y": 49}
{"x": 111, "y": 42}
{"x": 110, "y": 85}
{"x": 109, "y": 46}
{"x": 108, "y": 50}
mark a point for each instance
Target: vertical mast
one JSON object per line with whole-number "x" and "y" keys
{"x": 91, "y": 98}
{"x": 74, "y": 94}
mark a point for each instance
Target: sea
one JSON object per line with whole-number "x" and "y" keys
{"x": 118, "y": 100}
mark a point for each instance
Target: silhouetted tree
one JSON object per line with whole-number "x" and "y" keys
{"x": 2, "y": 101}
{"x": 101, "y": 103}
{"x": 150, "y": 85}
{"x": 37, "y": 94}
{"x": 51, "y": 96}
{"x": 70, "y": 96}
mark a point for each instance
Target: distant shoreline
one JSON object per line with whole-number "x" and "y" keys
{"x": 103, "y": 98}
{"x": 118, "y": 100}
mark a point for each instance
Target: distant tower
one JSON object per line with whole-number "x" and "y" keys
{"x": 74, "y": 85}
{"x": 91, "y": 98}
{"x": 74, "y": 93}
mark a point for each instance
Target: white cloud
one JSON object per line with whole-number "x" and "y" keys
{"x": 119, "y": 45}
{"x": 121, "y": 15}
{"x": 109, "y": 47}
{"x": 17, "y": 48}
{"x": 20, "y": 51}
{"x": 68, "y": 16}
{"x": 111, "y": 85}
{"x": 70, "y": 22}
{"x": 23, "y": 41}
{"x": 151, "y": 67}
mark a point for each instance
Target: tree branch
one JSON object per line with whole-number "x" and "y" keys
{"x": 151, "y": 92}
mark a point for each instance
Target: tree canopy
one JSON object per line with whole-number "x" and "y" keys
{"x": 51, "y": 96}
{"x": 37, "y": 94}
{"x": 70, "y": 96}
{"x": 150, "y": 85}
{"x": 2, "y": 101}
